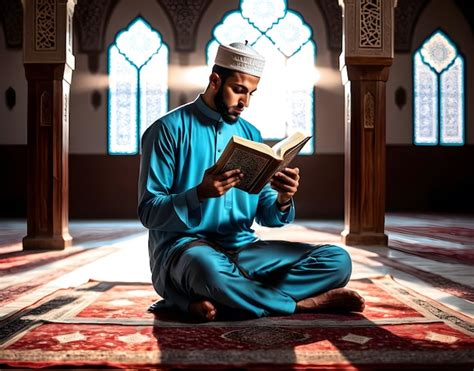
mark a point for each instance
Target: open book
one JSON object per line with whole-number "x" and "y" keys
{"x": 258, "y": 161}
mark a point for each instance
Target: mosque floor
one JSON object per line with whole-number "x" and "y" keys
{"x": 431, "y": 255}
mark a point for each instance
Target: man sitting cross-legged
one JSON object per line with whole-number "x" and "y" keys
{"x": 204, "y": 256}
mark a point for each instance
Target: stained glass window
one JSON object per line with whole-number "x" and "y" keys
{"x": 138, "y": 85}
{"x": 438, "y": 92}
{"x": 284, "y": 101}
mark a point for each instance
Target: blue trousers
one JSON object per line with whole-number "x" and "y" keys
{"x": 260, "y": 279}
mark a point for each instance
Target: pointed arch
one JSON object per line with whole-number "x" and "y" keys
{"x": 138, "y": 85}
{"x": 284, "y": 102}
{"x": 438, "y": 92}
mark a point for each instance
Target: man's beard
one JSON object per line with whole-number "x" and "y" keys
{"x": 223, "y": 108}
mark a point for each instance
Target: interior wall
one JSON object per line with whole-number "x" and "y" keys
{"x": 437, "y": 14}
{"x": 12, "y": 74}
{"x": 88, "y": 126}
{"x": 329, "y": 93}
{"x": 447, "y": 16}
{"x": 98, "y": 181}
{"x": 420, "y": 178}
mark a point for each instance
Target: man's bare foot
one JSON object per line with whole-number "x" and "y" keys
{"x": 337, "y": 300}
{"x": 203, "y": 310}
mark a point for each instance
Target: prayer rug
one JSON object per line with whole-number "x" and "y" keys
{"x": 14, "y": 285}
{"x": 330, "y": 234}
{"x": 445, "y": 244}
{"x": 439, "y": 282}
{"x": 27, "y": 276}
{"x": 462, "y": 235}
{"x": 105, "y": 324}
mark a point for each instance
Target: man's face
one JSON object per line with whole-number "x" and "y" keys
{"x": 234, "y": 95}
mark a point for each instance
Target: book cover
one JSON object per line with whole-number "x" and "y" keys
{"x": 258, "y": 161}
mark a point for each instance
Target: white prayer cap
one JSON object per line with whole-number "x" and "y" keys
{"x": 240, "y": 57}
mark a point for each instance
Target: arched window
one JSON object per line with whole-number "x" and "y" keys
{"x": 284, "y": 102}
{"x": 138, "y": 85}
{"x": 438, "y": 92}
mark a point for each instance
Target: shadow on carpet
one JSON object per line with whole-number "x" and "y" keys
{"x": 105, "y": 324}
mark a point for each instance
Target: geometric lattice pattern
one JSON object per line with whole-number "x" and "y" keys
{"x": 284, "y": 101}
{"x": 138, "y": 85}
{"x": 45, "y": 25}
{"x": 371, "y": 24}
{"x": 438, "y": 92}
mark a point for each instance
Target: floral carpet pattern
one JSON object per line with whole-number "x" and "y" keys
{"x": 52, "y": 314}
{"x": 106, "y": 324}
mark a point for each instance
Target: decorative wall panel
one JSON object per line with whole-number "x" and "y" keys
{"x": 370, "y": 24}
{"x": 45, "y": 25}
{"x": 185, "y": 16}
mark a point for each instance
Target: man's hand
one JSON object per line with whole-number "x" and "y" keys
{"x": 215, "y": 185}
{"x": 286, "y": 183}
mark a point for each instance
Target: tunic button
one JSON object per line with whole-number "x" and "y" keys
{"x": 218, "y": 150}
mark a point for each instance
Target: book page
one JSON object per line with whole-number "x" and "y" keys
{"x": 262, "y": 147}
{"x": 290, "y": 154}
{"x": 281, "y": 147}
{"x": 249, "y": 163}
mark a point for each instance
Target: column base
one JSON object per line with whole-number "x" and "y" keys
{"x": 47, "y": 243}
{"x": 364, "y": 239}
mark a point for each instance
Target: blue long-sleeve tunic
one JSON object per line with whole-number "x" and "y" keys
{"x": 176, "y": 151}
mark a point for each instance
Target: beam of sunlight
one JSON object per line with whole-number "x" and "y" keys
{"x": 85, "y": 82}
{"x": 327, "y": 78}
{"x": 197, "y": 77}
{"x": 188, "y": 78}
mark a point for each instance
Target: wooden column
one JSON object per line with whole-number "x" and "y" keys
{"x": 49, "y": 63}
{"x": 365, "y": 62}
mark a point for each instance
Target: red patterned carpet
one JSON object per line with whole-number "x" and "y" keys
{"x": 26, "y": 273}
{"x": 445, "y": 244}
{"x": 106, "y": 324}
{"x": 454, "y": 245}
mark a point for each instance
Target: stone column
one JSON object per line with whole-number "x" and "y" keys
{"x": 49, "y": 62}
{"x": 365, "y": 61}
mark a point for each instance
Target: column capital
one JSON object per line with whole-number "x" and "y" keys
{"x": 47, "y": 31}
{"x": 367, "y": 32}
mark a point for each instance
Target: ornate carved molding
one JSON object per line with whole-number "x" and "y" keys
{"x": 369, "y": 110}
{"x": 406, "y": 16}
{"x": 332, "y": 14}
{"x": 368, "y": 28}
{"x": 407, "y": 13}
{"x": 11, "y": 15}
{"x": 185, "y": 16}
{"x": 370, "y": 24}
{"x": 45, "y": 25}
{"x": 91, "y": 17}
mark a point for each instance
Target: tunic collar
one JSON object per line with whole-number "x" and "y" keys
{"x": 206, "y": 110}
